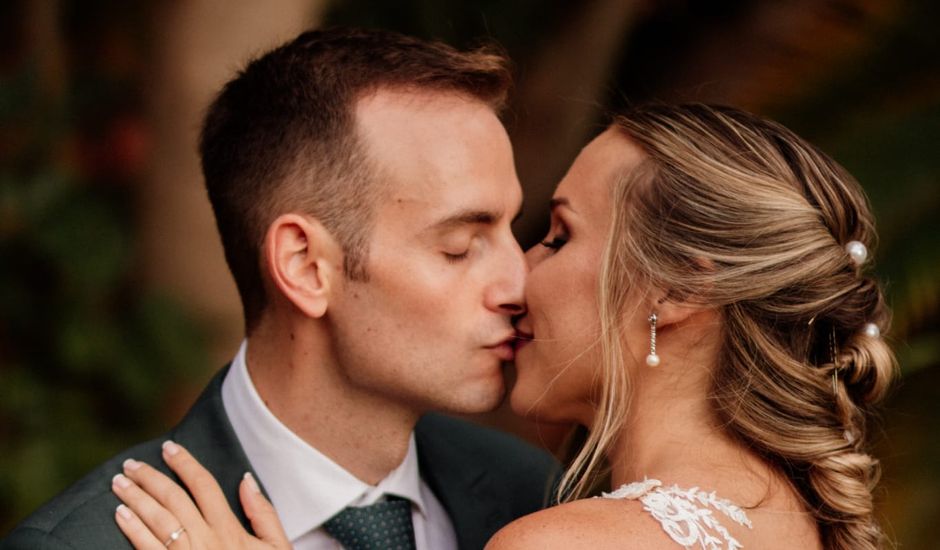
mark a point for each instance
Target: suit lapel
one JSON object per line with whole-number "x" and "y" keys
{"x": 477, "y": 506}
{"x": 207, "y": 433}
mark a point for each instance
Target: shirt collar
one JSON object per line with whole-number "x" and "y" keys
{"x": 306, "y": 487}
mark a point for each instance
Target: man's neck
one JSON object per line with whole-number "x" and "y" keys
{"x": 302, "y": 386}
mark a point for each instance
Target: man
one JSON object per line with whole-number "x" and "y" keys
{"x": 364, "y": 189}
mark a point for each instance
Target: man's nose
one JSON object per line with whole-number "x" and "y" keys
{"x": 507, "y": 293}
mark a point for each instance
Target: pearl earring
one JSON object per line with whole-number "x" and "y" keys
{"x": 652, "y": 359}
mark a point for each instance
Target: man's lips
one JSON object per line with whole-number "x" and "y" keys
{"x": 505, "y": 348}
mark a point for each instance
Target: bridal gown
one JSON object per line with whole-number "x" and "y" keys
{"x": 688, "y": 516}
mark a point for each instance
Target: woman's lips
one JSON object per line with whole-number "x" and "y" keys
{"x": 521, "y": 339}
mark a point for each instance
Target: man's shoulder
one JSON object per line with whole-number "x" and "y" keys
{"x": 499, "y": 451}
{"x": 82, "y": 516}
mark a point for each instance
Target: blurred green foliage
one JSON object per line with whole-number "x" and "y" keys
{"x": 86, "y": 357}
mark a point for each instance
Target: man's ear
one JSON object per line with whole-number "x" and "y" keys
{"x": 304, "y": 262}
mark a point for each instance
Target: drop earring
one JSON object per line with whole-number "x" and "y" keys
{"x": 652, "y": 359}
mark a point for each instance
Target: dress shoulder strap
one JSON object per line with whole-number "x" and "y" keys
{"x": 686, "y": 515}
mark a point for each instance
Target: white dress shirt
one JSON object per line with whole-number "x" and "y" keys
{"x": 307, "y": 488}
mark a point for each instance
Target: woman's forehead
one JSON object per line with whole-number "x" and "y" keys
{"x": 596, "y": 167}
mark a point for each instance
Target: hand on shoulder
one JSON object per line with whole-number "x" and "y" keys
{"x": 599, "y": 524}
{"x": 157, "y": 512}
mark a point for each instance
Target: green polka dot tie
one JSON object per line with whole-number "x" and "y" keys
{"x": 383, "y": 525}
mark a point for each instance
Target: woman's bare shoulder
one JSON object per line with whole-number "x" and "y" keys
{"x": 594, "y": 523}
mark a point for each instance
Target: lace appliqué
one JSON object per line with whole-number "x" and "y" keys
{"x": 685, "y": 514}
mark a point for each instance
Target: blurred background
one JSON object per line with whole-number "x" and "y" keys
{"x": 115, "y": 302}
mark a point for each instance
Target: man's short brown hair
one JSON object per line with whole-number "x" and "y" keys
{"x": 281, "y": 137}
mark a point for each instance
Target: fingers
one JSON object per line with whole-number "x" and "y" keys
{"x": 201, "y": 483}
{"x": 144, "y": 535}
{"x": 135, "y": 530}
{"x": 263, "y": 518}
{"x": 154, "y": 496}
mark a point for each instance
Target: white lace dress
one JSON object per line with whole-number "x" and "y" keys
{"x": 686, "y": 515}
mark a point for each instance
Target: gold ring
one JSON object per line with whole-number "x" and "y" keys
{"x": 174, "y": 536}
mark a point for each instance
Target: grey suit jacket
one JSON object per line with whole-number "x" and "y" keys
{"x": 484, "y": 479}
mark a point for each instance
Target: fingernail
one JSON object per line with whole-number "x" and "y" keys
{"x": 252, "y": 484}
{"x": 121, "y": 481}
{"x": 131, "y": 464}
{"x": 171, "y": 448}
{"x": 124, "y": 512}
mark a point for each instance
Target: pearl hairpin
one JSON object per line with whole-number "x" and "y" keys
{"x": 871, "y": 330}
{"x": 857, "y": 251}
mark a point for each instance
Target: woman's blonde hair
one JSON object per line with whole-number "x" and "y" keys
{"x": 737, "y": 212}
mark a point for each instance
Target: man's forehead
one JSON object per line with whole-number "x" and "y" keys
{"x": 451, "y": 200}
{"x": 396, "y": 112}
{"x": 442, "y": 211}
{"x": 444, "y": 159}
{"x": 443, "y": 133}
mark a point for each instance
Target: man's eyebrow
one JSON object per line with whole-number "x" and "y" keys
{"x": 465, "y": 217}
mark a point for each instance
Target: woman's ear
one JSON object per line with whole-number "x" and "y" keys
{"x": 672, "y": 307}
{"x": 304, "y": 262}
{"x": 673, "y": 310}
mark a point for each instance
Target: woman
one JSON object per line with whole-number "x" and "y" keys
{"x": 716, "y": 336}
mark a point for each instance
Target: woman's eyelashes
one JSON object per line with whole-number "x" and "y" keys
{"x": 558, "y": 234}
{"x": 555, "y": 242}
